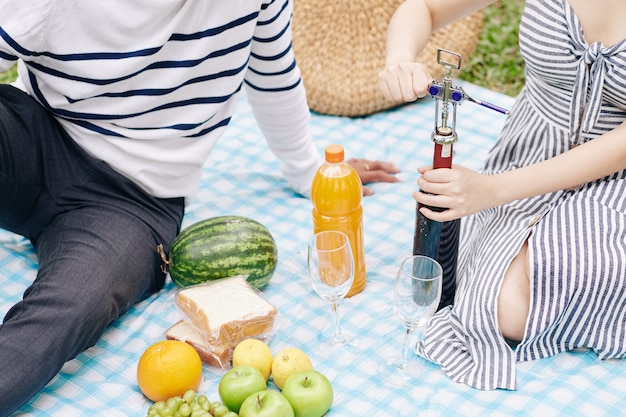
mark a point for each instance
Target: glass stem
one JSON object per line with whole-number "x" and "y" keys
{"x": 338, "y": 336}
{"x": 405, "y": 347}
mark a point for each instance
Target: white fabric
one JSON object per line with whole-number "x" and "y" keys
{"x": 149, "y": 86}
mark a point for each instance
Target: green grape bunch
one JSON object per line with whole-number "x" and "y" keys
{"x": 189, "y": 405}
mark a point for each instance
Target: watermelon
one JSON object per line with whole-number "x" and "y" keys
{"x": 221, "y": 247}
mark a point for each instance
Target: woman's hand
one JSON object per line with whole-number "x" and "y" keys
{"x": 374, "y": 171}
{"x": 460, "y": 190}
{"x": 404, "y": 82}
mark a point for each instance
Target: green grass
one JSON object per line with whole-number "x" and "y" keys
{"x": 495, "y": 64}
{"x": 8, "y": 76}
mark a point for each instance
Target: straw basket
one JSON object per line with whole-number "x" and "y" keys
{"x": 340, "y": 49}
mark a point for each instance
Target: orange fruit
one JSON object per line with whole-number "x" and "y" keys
{"x": 168, "y": 369}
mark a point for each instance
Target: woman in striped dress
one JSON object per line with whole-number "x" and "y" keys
{"x": 543, "y": 249}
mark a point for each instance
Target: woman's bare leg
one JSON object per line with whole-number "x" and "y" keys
{"x": 514, "y": 298}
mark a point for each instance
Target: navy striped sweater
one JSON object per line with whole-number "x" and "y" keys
{"x": 149, "y": 86}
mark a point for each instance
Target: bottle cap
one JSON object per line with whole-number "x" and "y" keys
{"x": 334, "y": 153}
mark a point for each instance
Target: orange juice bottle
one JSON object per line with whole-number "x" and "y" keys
{"x": 336, "y": 194}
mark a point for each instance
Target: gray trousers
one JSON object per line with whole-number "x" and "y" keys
{"x": 95, "y": 233}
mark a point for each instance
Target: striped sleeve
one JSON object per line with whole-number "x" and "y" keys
{"x": 24, "y": 21}
{"x": 272, "y": 65}
{"x": 7, "y": 60}
{"x": 277, "y": 96}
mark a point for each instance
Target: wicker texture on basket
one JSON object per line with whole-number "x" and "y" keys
{"x": 340, "y": 48}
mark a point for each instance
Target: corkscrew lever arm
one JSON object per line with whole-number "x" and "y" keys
{"x": 483, "y": 103}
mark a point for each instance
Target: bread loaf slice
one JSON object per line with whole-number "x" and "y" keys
{"x": 218, "y": 356}
{"x": 226, "y": 311}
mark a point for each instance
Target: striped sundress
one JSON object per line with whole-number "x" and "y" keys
{"x": 574, "y": 91}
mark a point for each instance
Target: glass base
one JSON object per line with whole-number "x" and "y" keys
{"x": 394, "y": 372}
{"x": 341, "y": 352}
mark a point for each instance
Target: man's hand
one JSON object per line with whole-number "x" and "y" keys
{"x": 374, "y": 171}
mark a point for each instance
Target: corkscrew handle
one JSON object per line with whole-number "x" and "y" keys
{"x": 458, "y": 95}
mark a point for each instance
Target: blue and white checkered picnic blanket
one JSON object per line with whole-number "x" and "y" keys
{"x": 242, "y": 177}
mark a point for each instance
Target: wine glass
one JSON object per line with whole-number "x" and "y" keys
{"x": 331, "y": 273}
{"x": 416, "y": 295}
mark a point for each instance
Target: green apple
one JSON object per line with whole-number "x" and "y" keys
{"x": 238, "y": 383}
{"x": 268, "y": 403}
{"x": 309, "y": 392}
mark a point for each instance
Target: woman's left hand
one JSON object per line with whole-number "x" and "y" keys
{"x": 460, "y": 190}
{"x": 374, "y": 171}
